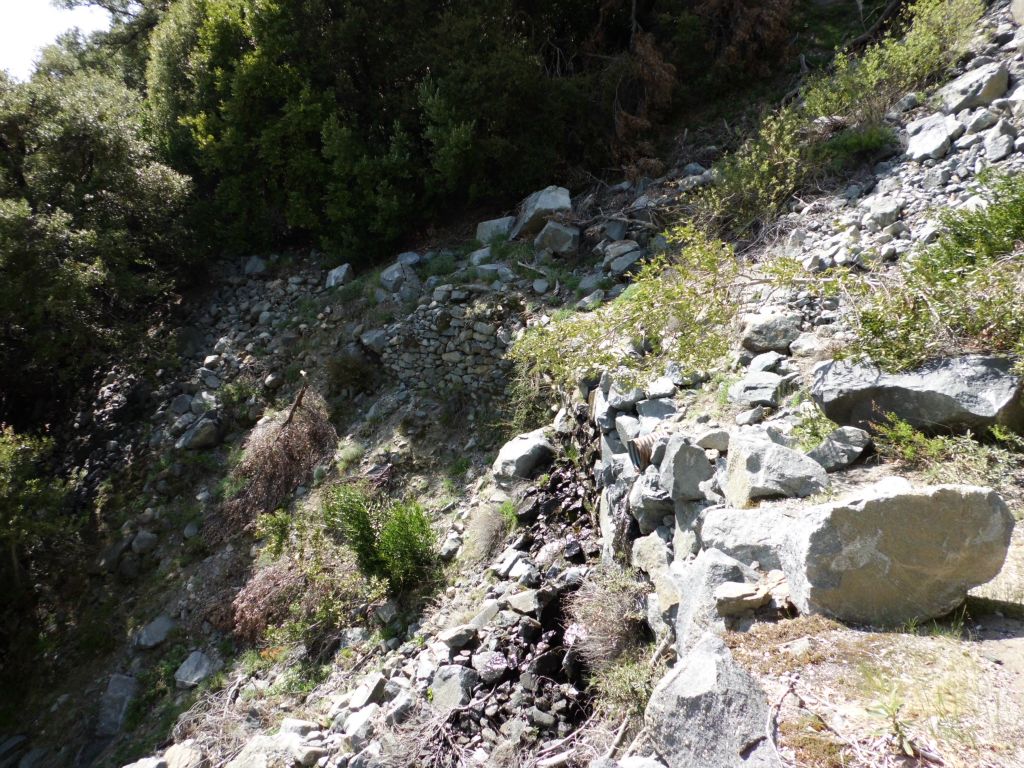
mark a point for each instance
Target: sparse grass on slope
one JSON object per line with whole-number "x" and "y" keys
{"x": 963, "y": 293}
{"x": 676, "y": 309}
{"x": 799, "y": 142}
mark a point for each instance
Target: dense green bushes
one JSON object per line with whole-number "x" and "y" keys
{"x": 89, "y": 228}
{"x": 29, "y": 506}
{"x": 352, "y": 121}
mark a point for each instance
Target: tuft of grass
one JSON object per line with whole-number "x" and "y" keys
{"x": 349, "y": 456}
{"x": 508, "y": 513}
{"x": 610, "y": 607}
{"x": 812, "y": 429}
{"x": 623, "y": 687}
{"x": 814, "y": 745}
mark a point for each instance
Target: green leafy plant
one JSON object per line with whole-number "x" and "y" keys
{"x": 30, "y": 502}
{"x": 274, "y": 527}
{"x": 391, "y": 540}
{"x": 812, "y": 429}
{"x": 509, "y": 514}
{"x": 675, "y": 310}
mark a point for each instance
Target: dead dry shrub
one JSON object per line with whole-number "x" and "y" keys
{"x": 609, "y": 606}
{"x": 748, "y": 35}
{"x": 282, "y": 450}
{"x": 264, "y": 601}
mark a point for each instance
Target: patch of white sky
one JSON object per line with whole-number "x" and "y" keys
{"x": 26, "y": 26}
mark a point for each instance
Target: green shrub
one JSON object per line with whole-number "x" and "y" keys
{"x": 30, "y": 504}
{"x": 963, "y": 293}
{"x": 391, "y": 540}
{"x": 91, "y": 230}
{"x": 675, "y": 310}
{"x": 862, "y": 89}
{"x": 856, "y": 146}
{"x": 793, "y": 144}
{"x": 996, "y": 462}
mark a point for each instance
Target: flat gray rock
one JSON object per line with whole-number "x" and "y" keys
{"x": 897, "y": 554}
{"x": 557, "y": 238}
{"x": 971, "y": 392}
{"x": 841, "y": 449}
{"x": 521, "y": 455}
{"x": 757, "y": 388}
{"x": 487, "y": 231}
{"x": 154, "y": 633}
{"x": 931, "y": 137}
{"x": 120, "y": 693}
{"x": 683, "y": 468}
{"x": 196, "y": 668}
{"x": 886, "y": 555}
{"x": 452, "y": 687}
{"x": 770, "y": 332}
{"x": 539, "y": 207}
{"x": 697, "y": 581}
{"x": 977, "y": 88}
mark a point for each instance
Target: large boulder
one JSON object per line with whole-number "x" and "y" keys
{"x": 648, "y": 501}
{"x": 196, "y": 668}
{"x": 487, "y": 231}
{"x": 696, "y": 582}
{"x": 683, "y": 468}
{"x": 521, "y": 455}
{"x": 758, "y": 388}
{"x": 978, "y": 88}
{"x": 539, "y": 207}
{"x": 886, "y": 555}
{"x": 558, "y": 238}
{"x": 931, "y": 137}
{"x": 760, "y": 469}
{"x": 708, "y": 712}
{"x": 970, "y": 392}
{"x": 770, "y": 332}
{"x": 396, "y": 276}
{"x": 452, "y": 687}
{"x": 898, "y": 554}
{"x": 342, "y": 275}
{"x": 841, "y": 448}
{"x": 206, "y": 432}
{"x": 120, "y": 693}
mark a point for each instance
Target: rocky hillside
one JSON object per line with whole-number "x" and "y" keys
{"x": 802, "y": 553}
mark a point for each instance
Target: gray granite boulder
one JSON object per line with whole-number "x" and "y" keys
{"x": 970, "y": 392}
{"x": 708, "y": 712}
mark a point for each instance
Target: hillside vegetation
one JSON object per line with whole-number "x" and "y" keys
{"x": 619, "y": 384}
